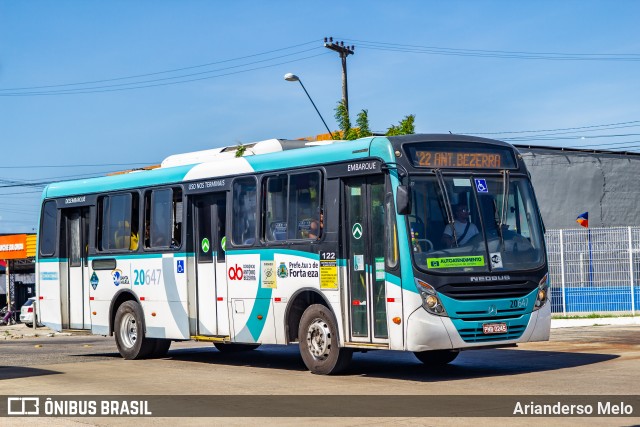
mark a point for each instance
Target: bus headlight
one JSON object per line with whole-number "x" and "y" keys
{"x": 430, "y": 300}
{"x": 543, "y": 293}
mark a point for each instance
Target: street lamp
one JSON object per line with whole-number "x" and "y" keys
{"x": 293, "y": 78}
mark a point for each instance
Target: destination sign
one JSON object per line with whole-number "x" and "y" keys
{"x": 450, "y": 159}
{"x": 460, "y": 155}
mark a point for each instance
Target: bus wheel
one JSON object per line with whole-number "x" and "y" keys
{"x": 234, "y": 348}
{"x": 160, "y": 348}
{"x": 437, "y": 357}
{"x": 129, "y": 332}
{"x": 318, "y": 337}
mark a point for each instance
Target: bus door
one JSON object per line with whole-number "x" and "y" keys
{"x": 77, "y": 287}
{"x": 211, "y": 285}
{"x": 363, "y": 225}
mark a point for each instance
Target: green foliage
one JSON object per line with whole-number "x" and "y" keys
{"x": 405, "y": 127}
{"x": 363, "y": 124}
{"x": 342, "y": 117}
{"x": 240, "y": 149}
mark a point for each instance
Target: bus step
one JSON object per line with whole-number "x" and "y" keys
{"x": 368, "y": 345}
{"x": 216, "y": 338}
{"x": 77, "y": 331}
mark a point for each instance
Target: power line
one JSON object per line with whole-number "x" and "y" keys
{"x": 81, "y": 91}
{"x": 63, "y": 91}
{"x": 159, "y": 72}
{"x": 436, "y": 50}
{"x": 610, "y": 144}
{"x": 551, "y": 130}
{"x": 546, "y": 138}
{"x": 580, "y": 131}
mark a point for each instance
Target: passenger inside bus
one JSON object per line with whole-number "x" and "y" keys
{"x": 315, "y": 228}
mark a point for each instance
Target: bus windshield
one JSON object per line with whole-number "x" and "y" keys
{"x": 459, "y": 223}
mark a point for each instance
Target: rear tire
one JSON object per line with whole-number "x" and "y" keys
{"x": 437, "y": 357}
{"x": 129, "y": 332}
{"x": 234, "y": 348}
{"x": 319, "y": 347}
{"x": 160, "y": 348}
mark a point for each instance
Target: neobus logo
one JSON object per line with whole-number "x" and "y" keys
{"x": 489, "y": 278}
{"x": 236, "y": 273}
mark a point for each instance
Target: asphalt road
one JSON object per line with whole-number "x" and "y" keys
{"x": 598, "y": 360}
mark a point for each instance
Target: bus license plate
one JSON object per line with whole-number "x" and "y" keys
{"x": 494, "y": 328}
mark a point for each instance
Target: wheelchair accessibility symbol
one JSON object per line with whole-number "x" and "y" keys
{"x": 481, "y": 185}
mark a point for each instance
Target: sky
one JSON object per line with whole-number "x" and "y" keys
{"x": 89, "y": 87}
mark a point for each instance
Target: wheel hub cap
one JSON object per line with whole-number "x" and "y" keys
{"x": 319, "y": 339}
{"x": 129, "y": 330}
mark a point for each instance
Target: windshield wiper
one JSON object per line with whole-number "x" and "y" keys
{"x": 505, "y": 203}
{"x": 447, "y": 204}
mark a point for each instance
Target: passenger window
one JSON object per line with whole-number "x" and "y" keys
{"x": 48, "y": 229}
{"x": 304, "y": 206}
{"x": 244, "y": 208}
{"x": 276, "y": 208}
{"x": 118, "y": 222}
{"x": 163, "y": 219}
{"x": 292, "y": 207}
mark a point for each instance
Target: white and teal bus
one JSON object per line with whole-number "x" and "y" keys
{"x": 425, "y": 243}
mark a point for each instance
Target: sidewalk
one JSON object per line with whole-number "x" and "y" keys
{"x": 572, "y": 323}
{"x": 21, "y": 331}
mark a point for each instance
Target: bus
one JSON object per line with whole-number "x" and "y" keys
{"x": 427, "y": 243}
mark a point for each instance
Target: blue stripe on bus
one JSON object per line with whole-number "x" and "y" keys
{"x": 392, "y": 279}
{"x": 140, "y": 255}
{"x": 339, "y": 151}
{"x": 118, "y": 182}
{"x": 266, "y": 254}
{"x": 118, "y": 256}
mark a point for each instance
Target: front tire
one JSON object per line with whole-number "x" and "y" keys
{"x": 129, "y": 332}
{"x": 160, "y": 348}
{"x": 319, "y": 347}
{"x": 234, "y": 348}
{"x": 437, "y": 357}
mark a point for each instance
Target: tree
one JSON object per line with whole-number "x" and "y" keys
{"x": 405, "y": 127}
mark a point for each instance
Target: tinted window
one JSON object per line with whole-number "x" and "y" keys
{"x": 118, "y": 226}
{"x": 292, "y": 207}
{"x": 276, "y": 207}
{"x": 163, "y": 218}
{"x": 304, "y": 206}
{"x": 244, "y": 208}
{"x": 48, "y": 229}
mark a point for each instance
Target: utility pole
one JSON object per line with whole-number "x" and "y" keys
{"x": 343, "y": 51}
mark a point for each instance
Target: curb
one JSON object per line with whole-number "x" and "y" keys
{"x": 574, "y": 323}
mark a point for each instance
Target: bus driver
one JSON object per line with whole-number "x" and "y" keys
{"x": 465, "y": 230}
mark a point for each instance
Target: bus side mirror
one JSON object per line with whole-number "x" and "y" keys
{"x": 403, "y": 200}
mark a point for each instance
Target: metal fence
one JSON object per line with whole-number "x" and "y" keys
{"x": 595, "y": 270}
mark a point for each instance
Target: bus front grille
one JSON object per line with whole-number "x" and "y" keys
{"x": 474, "y": 335}
{"x": 487, "y": 290}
